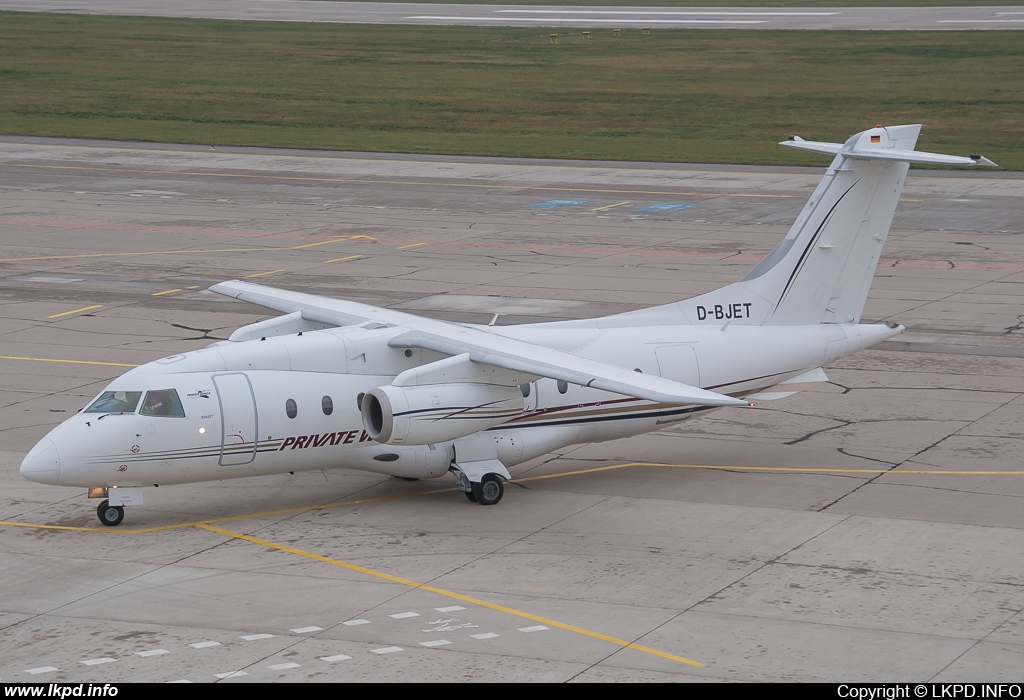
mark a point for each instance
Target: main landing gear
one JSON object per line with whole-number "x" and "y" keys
{"x": 489, "y": 491}
{"x": 486, "y": 492}
{"x": 109, "y": 515}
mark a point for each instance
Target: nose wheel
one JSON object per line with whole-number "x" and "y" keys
{"x": 109, "y": 515}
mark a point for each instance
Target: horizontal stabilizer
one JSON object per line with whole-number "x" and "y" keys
{"x": 877, "y": 146}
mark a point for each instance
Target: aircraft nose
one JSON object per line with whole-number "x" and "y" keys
{"x": 42, "y": 464}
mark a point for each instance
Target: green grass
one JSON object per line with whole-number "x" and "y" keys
{"x": 676, "y": 95}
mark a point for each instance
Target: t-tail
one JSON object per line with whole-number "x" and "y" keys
{"x": 822, "y": 270}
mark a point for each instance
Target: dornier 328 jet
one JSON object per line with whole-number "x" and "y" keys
{"x": 338, "y": 384}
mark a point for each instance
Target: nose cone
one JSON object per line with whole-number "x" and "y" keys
{"x": 42, "y": 464}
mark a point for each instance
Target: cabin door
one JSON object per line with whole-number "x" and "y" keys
{"x": 237, "y": 419}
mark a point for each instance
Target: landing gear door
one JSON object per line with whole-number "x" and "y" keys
{"x": 237, "y": 419}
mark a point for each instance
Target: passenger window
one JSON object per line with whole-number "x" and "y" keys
{"x": 562, "y": 387}
{"x": 290, "y": 408}
{"x": 327, "y": 405}
{"x": 115, "y": 402}
{"x": 163, "y": 402}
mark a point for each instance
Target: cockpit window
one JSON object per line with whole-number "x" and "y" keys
{"x": 163, "y": 402}
{"x": 115, "y": 402}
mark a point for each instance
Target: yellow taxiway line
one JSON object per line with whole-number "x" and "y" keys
{"x": 789, "y": 470}
{"x": 400, "y": 496}
{"x": 68, "y": 362}
{"x": 227, "y": 518}
{"x": 208, "y": 525}
{"x": 610, "y": 206}
{"x": 350, "y": 257}
{"x": 313, "y": 245}
{"x": 456, "y": 596}
{"x": 624, "y": 644}
{"x": 77, "y": 311}
{"x": 263, "y": 274}
{"x": 412, "y": 245}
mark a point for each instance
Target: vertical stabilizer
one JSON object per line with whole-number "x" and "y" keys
{"x": 822, "y": 270}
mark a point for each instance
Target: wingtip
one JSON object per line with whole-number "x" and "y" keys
{"x": 982, "y": 160}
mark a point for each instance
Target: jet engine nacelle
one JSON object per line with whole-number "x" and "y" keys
{"x": 431, "y": 413}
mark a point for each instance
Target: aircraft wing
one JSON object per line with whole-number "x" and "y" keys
{"x": 486, "y": 347}
{"x": 507, "y": 353}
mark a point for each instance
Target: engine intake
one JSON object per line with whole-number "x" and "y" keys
{"x": 421, "y": 415}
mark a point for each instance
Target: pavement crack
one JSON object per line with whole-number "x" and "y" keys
{"x": 808, "y": 436}
{"x": 846, "y": 389}
{"x": 1011, "y": 329}
{"x": 844, "y": 451}
{"x": 205, "y": 332}
{"x": 951, "y": 490}
{"x": 913, "y": 457}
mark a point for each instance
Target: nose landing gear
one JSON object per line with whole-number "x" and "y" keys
{"x": 109, "y": 515}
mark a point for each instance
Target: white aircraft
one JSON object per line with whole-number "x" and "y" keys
{"x": 338, "y": 384}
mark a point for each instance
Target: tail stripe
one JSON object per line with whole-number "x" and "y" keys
{"x": 810, "y": 246}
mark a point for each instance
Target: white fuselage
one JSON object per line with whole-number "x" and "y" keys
{"x": 291, "y": 402}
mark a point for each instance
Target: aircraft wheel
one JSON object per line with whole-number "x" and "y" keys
{"x": 489, "y": 491}
{"x": 110, "y": 515}
{"x": 469, "y": 496}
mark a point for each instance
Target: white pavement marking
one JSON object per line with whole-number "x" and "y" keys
{"x": 387, "y": 650}
{"x": 336, "y": 657}
{"x": 353, "y": 623}
{"x": 307, "y": 630}
{"x": 592, "y": 19}
{"x": 284, "y": 666}
{"x": 204, "y": 645}
{"x": 97, "y": 662}
{"x": 450, "y": 608}
{"x": 402, "y": 616}
{"x": 485, "y": 635}
{"x": 647, "y": 13}
{"x": 180, "y": 680}
{"x": 230, "y": 674}
{"x": 41, "y": 669}
{"x": 254, "y": 637}
{"x": 435, "y": 643}
{"x": 151, "y": 652}
{"x": 534, "y": 628}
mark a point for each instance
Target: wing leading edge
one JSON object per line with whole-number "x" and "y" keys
{"x": 483, "y": 346}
